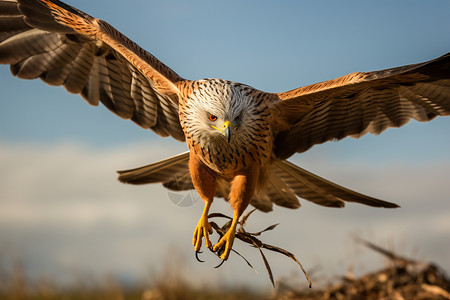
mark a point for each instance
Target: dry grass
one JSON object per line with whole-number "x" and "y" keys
{"x": 404, "y": 278}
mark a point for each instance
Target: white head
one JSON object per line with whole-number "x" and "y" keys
{"x": 220, "y": 113}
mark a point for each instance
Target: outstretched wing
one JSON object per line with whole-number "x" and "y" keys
{"x": 53, "y": 41}
{"x": 358, "y": 103}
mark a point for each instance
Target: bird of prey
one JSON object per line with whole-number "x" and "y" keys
{"x": 238, "y": 137}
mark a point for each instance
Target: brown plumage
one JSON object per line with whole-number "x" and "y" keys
{"x": 238, "y": 137}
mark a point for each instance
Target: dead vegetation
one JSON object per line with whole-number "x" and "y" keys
{"x": 251, "y": 239}
{"x": 403, "y": 278}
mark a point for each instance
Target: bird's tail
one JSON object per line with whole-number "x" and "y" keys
{"x": 284, "y": 183}
{"x": 172, "y": 172}
{"x": 313, "y": 188}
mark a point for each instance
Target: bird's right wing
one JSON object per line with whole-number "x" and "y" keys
{"x": 53, "y": 41}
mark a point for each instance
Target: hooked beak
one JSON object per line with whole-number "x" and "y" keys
{"x": 226, "y": 130}
{"x": 227, "y": 133}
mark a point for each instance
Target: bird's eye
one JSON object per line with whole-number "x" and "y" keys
{"x": 212, "y": 118}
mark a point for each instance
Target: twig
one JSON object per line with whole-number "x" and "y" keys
{"x": 397, "y": 259}
{"x": 250, "y": 238}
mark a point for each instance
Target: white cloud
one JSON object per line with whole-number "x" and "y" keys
{"x": 62, "y": 209}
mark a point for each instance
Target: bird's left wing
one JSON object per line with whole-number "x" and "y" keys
{"x": 53, "y": 41}
{"x": 358, "y": 103}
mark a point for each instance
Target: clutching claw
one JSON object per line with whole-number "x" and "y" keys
{"x": 225, "y": 244}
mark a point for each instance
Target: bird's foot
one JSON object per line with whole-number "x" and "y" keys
{"x": 203, "y": 229}
{"x": 225, "y": 244}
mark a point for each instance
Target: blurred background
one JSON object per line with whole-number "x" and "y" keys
{"x": 65, "y": 217}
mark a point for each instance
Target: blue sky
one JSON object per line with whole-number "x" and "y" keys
{"x": 273, "y": 46}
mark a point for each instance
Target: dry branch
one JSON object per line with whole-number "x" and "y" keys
{"x": 250, "y": 238}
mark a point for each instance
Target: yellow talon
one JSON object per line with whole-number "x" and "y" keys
{"x": 227, "y": 242}
{"x": 203, "y": 229}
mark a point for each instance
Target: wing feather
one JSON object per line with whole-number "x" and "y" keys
{"x": 361, "y": 103}
{"x": 9, "y": 8}
{"x": 12, "y": 26}
{"x": 144, "y": 99}
{"x": 53, "y": 41}
{"x": 76, "y": 75}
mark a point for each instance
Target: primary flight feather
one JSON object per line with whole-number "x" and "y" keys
{"x": 238, "y": 137}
